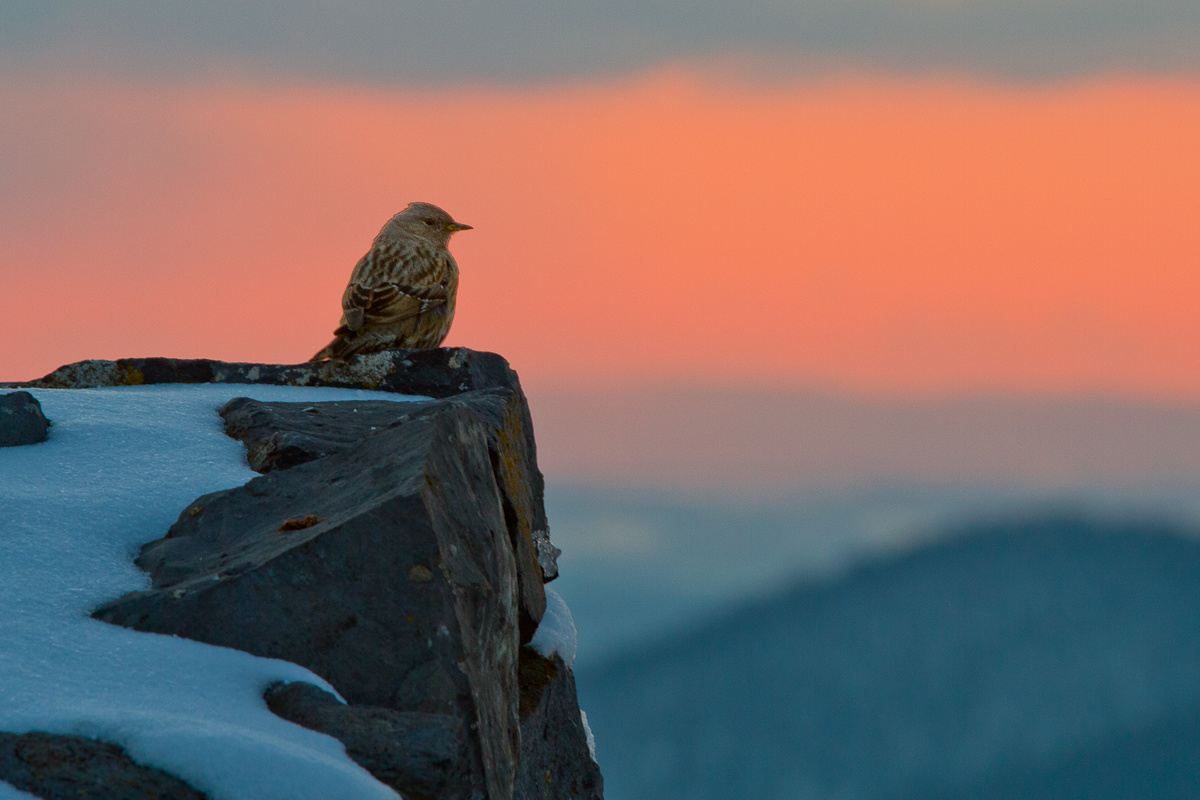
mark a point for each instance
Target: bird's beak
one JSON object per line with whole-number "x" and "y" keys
{"x": 457, "y": 226}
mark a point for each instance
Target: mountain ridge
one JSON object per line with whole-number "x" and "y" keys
{"x": 1014, "y": 642}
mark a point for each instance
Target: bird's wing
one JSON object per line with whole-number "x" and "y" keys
{"x": 386, "y": 304}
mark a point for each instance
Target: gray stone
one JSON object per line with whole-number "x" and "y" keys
{"x": 21, "y": 420}
{"x": 57, "y": 767}
{"x": 386, "y": 569}
{"x": 420, "y": 755}
{"x": 555, "y": 760}
{"x": 281, "y": 435}
{"x": 435, "y": 373}
{"x": 439, "y": 373}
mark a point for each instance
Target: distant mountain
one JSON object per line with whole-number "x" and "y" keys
{"x": 1160, "y": 761}
{"x": 638, "y": 564}
{"x": 1015, "y": 660}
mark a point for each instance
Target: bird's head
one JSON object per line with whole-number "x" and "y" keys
{"x": 425, "y": 221}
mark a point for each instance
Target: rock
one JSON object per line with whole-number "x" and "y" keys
{"x": 555, "y": 760}
{"x": 440, "y": 373}
{"x": 21, "y": 420}
{"x": 399, "y": 550}
{"x": 418, "y": 754}
{"x": 280, "y": 435}
{"x": 403, "y": 594}
{"x": 57, "y": 767}
{"x": 435, "y": 373}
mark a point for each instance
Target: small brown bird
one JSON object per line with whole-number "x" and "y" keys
{"x": 401, "y": 293}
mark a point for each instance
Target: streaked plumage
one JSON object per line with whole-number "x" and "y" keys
{"x": 401, "y": 293}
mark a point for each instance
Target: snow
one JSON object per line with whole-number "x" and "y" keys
{"x": 119, "y": 466}
{"x": 591, "y": 739}
{"x": 556, "y": 632}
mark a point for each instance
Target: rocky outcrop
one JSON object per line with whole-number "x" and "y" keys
{"x": 386, "y": 569}
{"x": 440, "y": 373}
{"x": 21, "y": 420}
{"x": 552, "y": 732}
{"x": 279, "y": 435}
{"x": 398, "y": 550}
{"x": 435, "y": 373}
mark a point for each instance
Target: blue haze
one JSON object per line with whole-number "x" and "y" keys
{"x": 1052, "y": 658}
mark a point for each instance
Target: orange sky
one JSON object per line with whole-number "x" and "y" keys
{"x": 892, "y": 236}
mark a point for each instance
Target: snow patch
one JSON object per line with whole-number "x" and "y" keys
{"x": 556, "y": 632}
{"x": 119, "y": 466}
{"x": 10, "y": 792}
{"x": 591, "y": 739}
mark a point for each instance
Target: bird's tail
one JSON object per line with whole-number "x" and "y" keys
{"x": 343, "y": 348}
{"x": 329, "y": 351}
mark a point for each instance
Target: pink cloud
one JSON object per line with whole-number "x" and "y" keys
{"x": 883, "y": 235}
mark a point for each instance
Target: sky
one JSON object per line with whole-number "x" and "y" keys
{"x": 891, "y": 198}
{"x": 390, "y": 43}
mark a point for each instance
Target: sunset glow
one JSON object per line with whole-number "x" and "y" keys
{"x": 886, "y": 235}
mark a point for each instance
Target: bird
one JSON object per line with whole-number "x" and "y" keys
{"x": 402, "y": 292}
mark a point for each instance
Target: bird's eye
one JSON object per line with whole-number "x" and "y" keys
{"x": 428, "y": 221}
